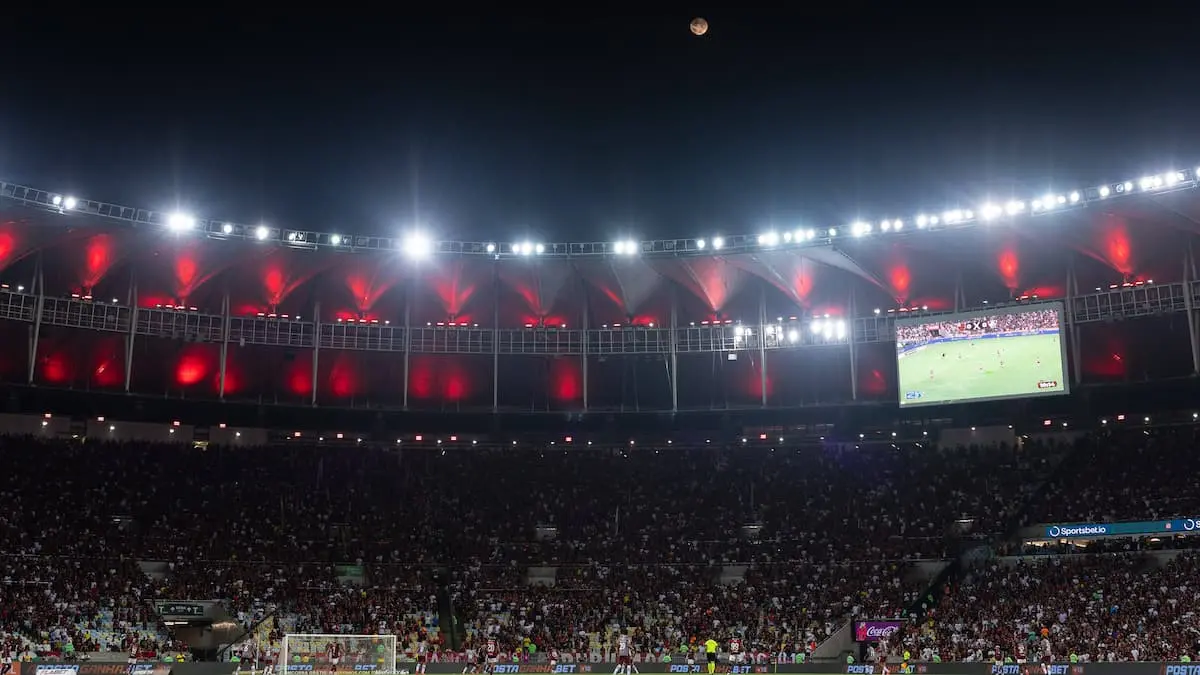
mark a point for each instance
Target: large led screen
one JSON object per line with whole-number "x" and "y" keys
{"x": 1005, "y": 353}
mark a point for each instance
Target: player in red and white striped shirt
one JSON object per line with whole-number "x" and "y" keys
{"x": 422, "y": 656}
{"x": 333, "y": 653}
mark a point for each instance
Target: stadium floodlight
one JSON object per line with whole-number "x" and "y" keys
{"x": 627, "y": 247}
{"x": 539, "y": 249}
{"x": 1014, "y": 207}
{"x": 491, "y": 248}
{"x": 829, "y": 329}
{"x": 261, "y": 232}
{"x": 700, "y": 244}
{"x": 227, "y": 228}
{"x": 335, "y": 239}
{"x": 718, "y": 243}
{"x": 768, "y": 239}
{"x": 860, "y": 229}
{"x": 69, "y": 203}
{"x": 180, "y": 222}
{"x": 417, "y": 246}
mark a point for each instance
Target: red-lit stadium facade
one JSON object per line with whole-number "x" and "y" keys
{"x": 95, "y": 302}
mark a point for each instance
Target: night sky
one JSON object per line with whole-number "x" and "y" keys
{"x": 505, "y": 124}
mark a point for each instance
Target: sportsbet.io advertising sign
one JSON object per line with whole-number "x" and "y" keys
{"x": 1184, "y": 526}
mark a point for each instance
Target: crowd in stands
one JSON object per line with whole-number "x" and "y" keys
{"x": 1129, "y": 476}
{"x": 1012, "y": 322}
{"x": 556, "y": 548}
{"x": 1112, "y": 607}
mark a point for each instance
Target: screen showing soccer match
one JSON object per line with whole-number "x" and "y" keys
{"x": 1006, "y": 353}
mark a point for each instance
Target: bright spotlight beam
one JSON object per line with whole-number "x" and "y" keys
{"x": 180, "y": 222}
{"x": 417, "y": 246}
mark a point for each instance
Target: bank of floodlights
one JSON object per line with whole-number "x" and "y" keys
{"x": 65, "y": 203}
{"x": 828, "y": 329}
{"x": 180, "y": 222}
{"x": 417, "y": 246}
{"x": 628, "y": 247}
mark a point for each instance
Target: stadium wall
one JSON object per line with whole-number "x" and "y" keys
{"x": 1143, "y": 668}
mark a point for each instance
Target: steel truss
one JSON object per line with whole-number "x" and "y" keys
{"x": 37, "y": 310}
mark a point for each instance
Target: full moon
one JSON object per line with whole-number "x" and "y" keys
{"x": 699, "y": 26}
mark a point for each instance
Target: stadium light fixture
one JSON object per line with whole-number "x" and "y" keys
{"x": 700, "y": 244}
{"x": 180, "y": 222}
{"x": 261, "y": 233}
{"x": 227, "y": 228}
{"x": 627, "y": 247}
{"x": 718, "y": 243}
{"x": 417, "y": 246}
{"x": 335, "y": 239}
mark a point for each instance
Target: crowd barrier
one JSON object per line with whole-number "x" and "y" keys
{"x": 1140, "y": 668}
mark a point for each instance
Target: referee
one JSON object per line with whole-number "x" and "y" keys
{"x": 710, "y": 653}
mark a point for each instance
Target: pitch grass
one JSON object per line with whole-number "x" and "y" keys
{"x": 978, "y": 369}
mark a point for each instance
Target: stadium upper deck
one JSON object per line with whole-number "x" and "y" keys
{"x": 121, "y": 299}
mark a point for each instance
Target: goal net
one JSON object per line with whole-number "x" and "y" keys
{"x": 317, "y": 654}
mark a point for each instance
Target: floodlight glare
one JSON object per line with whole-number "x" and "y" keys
{"x": 700, "y": 244}
{"x": 335, "y": 239}
{"x": 718, "y": 243}
{"x": 539, "y": 249}
{"x": 227, "y": 228}
{"x": 179, "y": 222}
{"x": 56, "y": 200}
{"x": 417, "y": 246}
{"x": 69, "y": 203}
{"x": 261, "y": 232}
{"x": 491, "y": 248}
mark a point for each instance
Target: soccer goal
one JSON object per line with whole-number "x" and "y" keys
{"x": 355, "y": 653}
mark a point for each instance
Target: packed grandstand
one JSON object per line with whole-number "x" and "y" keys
{"x": 556, "y": 551}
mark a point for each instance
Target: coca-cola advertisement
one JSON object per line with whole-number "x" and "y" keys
{"x": 870, "y": 631}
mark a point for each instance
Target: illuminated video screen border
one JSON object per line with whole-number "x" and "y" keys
{"x": 1057, "y": 306}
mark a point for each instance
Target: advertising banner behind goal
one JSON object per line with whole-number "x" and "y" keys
{"x": 309, "y": 653}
